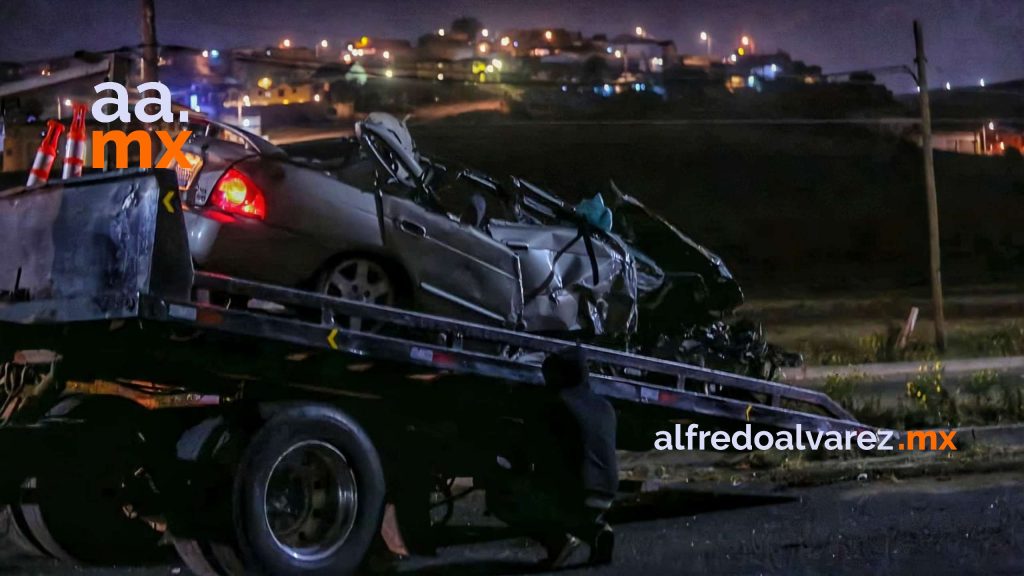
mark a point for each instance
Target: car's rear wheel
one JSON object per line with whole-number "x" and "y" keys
{"x": 360, "y": 279}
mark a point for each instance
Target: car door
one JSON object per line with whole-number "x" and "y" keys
{"x": 456, "y": 269}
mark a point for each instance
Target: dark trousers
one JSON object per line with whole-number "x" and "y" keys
{"x": 546, "y": 509}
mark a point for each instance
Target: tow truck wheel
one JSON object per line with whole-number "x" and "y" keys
{"x": 201, "y": 530}
{"x": 12, "y": 530}
{"x": 309, "y": 494}
{"x": 87, "y": 517}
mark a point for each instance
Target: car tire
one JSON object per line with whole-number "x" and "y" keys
{"x": 309, "y": 494}
{"x": 361, "y": 279}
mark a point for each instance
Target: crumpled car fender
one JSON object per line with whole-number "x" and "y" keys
{"x": 560, "y": 290}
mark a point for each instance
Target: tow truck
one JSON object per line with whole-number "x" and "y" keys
{"x": 143, "y": 402}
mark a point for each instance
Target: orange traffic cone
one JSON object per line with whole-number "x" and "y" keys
{"x": 44, "y": 156}
{"x": 74, "y": 150}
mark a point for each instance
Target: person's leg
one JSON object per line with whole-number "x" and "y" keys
{"x": 596, "y": 531}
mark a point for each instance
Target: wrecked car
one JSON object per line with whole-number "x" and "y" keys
{"x": 684, "y": 291}
{"x": 368, "y": 224}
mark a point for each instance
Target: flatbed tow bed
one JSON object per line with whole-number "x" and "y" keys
{"x": 235, "y": 377}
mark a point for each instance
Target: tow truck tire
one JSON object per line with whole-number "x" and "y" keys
{"x": 13, "y": 531}
{"x": 208, "y": 550}
{"x": 78, "y": 517}
{"x": 309, "y": 494}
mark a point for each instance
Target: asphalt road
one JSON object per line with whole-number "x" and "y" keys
{"x": 958, "y": 525}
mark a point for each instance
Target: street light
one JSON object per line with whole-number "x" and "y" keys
{"x": 982, "y": 82}
{"x": 286, "y": 43}
{"x": 440, "y": 31}
{"x": 640, "y": 31}
{"x": 705, "y": 37}
{"x": 548, "y": 35}
{"x": 485, "y": 32}
{"x": 323, "y": 43}
{"x": 748, "y": 42}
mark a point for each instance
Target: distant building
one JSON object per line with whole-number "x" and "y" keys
{"x": 641, "y": 54}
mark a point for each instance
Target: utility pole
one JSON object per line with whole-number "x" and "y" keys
{"x": 150, "y": 60}
{"x": 929, "y": 184}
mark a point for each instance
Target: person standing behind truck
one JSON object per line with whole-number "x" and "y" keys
{"x": 562, "y": 500}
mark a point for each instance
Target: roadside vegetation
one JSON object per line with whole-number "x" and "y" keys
{"x": 828, "y": 346}
{"x": 986, "y": 397}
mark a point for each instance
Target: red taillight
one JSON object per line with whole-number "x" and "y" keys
{"x": 236, "y": 193}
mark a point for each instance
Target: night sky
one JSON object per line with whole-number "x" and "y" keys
{"x": 966, "y": 40}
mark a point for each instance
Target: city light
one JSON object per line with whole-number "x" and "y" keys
{"x": 215, "y": 53}
{"x": 389, "y": 73}
{"x": 732, "y": 58}
{"x": 505, "y": 40}
{"x": 67, "y": 102}
{"x": 991, "y": 125}
{"x": 640, "y": 31}
{"x": 347, "y": 58}
{"x": 286, "y": 43}
{"x": 948, "y": 86}
{"x": 386, "y": 55}
{"x": 316, "y": 97}
{"x": 206, "y": 53}
{"x": 485, "y": 32}
{"x": 265, "y": 83}
{"x": 618, "y": 53}
{"x": 706, "y": 38}
{"x": 483, "y": 47}
{"x": 548, "y": 35}
{"x": 741, "y": 51}
{"x": 440, "y": 31}
{"x": 497, "y": 64}
{"x": 440, "y": 76}
{"x": 745, "y": 41}
{"x": 323, "y": 43}
{"x": 982, "y": 82}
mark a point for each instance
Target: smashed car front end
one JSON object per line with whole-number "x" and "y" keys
{"x": 572, "y": 280}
